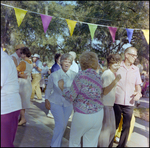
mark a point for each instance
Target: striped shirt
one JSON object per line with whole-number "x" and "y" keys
{"x": 85, "y": 92}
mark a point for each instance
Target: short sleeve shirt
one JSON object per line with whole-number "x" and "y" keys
{"x": 126, "y": 86}
{"x": 39, "y": 64}
{"x": 107, "y": 78}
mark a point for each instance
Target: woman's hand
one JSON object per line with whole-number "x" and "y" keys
{"x": 61, "y": 84}
{"x": 118, "y": 77}
{"x": 47, "y": 104}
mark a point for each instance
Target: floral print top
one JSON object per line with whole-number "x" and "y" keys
{"x": 85, "y": 92}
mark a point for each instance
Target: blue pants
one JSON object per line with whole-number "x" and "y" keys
{"x": 61, "y": 115}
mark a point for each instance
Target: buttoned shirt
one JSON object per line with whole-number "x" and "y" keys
{"x": 53, "y": 93}
{"x": 126, "y": 86}
{"x": 38, "y": 64}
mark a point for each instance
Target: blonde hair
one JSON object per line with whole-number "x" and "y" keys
{"x": 88, "y": 59}
{"x": 66, "y": 56}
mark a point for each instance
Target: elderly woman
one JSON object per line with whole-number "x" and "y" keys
{"x": 25, "y": 87}
{"x": 85, "y": 93}
{"x": 60, "y": 108}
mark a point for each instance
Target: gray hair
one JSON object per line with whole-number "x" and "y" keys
{"x": 73, "y": 54}
{"x": 66, "y": 56}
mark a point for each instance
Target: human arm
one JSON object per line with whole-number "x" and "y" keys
{"x": 61, "y": 84}
{"x": 39, "y": 68}
{"x": 137, "y": 94}
{"x": 107, "y": 89}
{"x": 48, "y": 91}
{"x": 22, "y": 75}
{"x": 15, "y": 61}
{"x": 73, "y": 92}
{"x": 21, "y": 68}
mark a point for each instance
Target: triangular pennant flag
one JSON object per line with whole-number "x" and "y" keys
{"x": 4, "y": 49}
{"x": 71, "y": 25}
{"x": 146, "y": 34}
{"x": 112, "y": 32}
{"x": 45, "y": 20}
{"x": 20, "y": 14}
{"x": 129, "y": 34}
{"x": 92, "y": 28}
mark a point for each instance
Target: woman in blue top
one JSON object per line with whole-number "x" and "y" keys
{"x": 57, "y": 65}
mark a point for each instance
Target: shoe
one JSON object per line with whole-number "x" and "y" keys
{"x": 117, "y": 139}
{"x": 21, "y": 123}
{"x": 50, "y": 115}
{"x": 137, "y": 104}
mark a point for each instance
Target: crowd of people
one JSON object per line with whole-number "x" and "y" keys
{"x": 95, "y": 98}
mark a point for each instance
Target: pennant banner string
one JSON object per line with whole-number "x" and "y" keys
{"x": 72, "y": 20}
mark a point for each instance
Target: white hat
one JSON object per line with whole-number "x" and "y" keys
{"x": 36, "y": 55}
{"x": 44, "y": 63}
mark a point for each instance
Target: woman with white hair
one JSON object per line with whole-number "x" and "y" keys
{"x": 60, "y": 108}
{"x": 85, "y": 93}
{"x": 74, "y": 65}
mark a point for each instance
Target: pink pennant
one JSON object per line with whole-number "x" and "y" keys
{"x": 45, "y": 20}
{"x": 113, "y": 32}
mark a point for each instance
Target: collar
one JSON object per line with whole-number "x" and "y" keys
{"x": 68, "y": 73}
{"x": 123, "y": 65}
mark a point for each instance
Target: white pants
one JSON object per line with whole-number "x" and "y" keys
{"x": 61, "y": 115}
{"x": 88, "y": 126}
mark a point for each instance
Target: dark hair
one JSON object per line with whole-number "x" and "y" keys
{"x": 57, "y": 55}
{"x": 113, "y": 58}
{"x": 26, "y": 51}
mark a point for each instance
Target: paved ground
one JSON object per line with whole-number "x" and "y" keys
{"x": 38, "y": 130}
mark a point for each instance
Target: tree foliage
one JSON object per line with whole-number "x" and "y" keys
{"x": 122, "y": 14}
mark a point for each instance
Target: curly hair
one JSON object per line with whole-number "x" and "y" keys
{"x": 26, "y": 51}
{"x": 113, "y": 58}
{"x": 88, "y": 59}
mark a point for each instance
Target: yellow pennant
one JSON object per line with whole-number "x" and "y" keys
{"x": 4, "y": 49}
{"x": 71, "y": 25}
{"x": 146, "y": 34}
{"x": 20, "y": 14}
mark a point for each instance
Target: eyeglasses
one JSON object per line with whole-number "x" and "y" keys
{"x": 21, "y": 53}
{"x": 133, "y": 55}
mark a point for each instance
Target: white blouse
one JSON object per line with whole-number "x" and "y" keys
{"x": 16, "y": 56}
{"x": 10, "y": 98}
{"x": 53, "y": 93}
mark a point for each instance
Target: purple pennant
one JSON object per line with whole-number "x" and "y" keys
{"x": 129, "y": 34}
{"x": 112, "y": 32}
{"x": 45, "y": 20}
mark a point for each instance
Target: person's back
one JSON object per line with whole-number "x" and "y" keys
{"x": 9, "y": 83}
{"x": 10, "y": 100}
